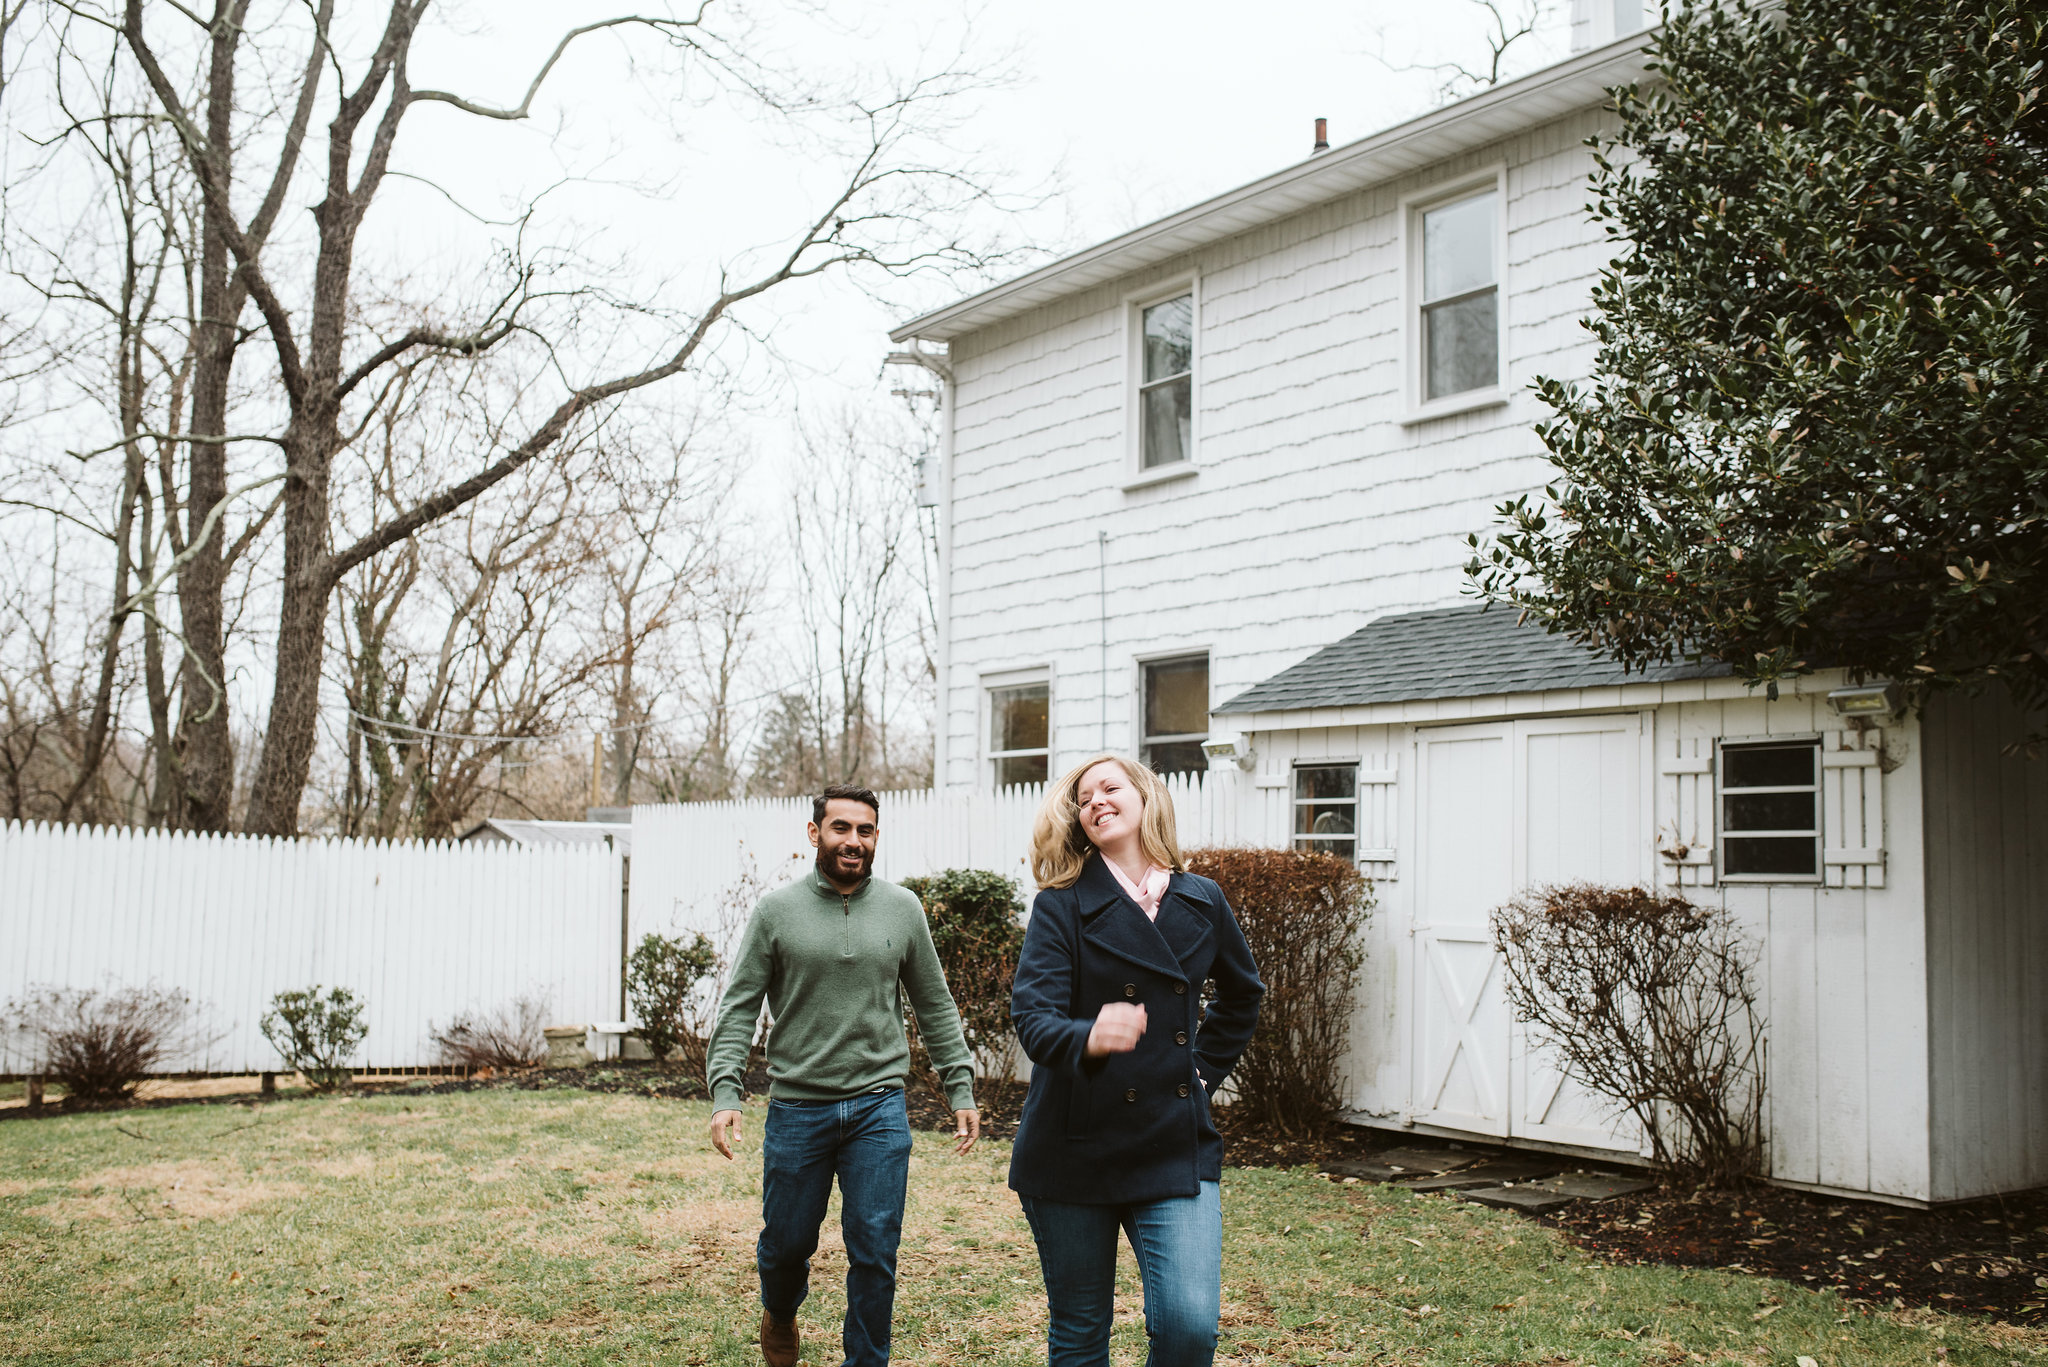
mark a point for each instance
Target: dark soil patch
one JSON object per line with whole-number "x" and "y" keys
{"x": 1988, "y": 1257}
{"x": 632, "y": 1078}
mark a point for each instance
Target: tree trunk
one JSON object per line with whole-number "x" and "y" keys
{"x": 288, "y": 740}
{"x": 205, "y": 760}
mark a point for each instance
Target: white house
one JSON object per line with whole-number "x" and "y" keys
{"x": 1208, "y": 483}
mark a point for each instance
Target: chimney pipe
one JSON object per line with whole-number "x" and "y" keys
{"x": 1322, "y": 137}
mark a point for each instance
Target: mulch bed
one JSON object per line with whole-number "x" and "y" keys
{"x": 1986, "y": 1257}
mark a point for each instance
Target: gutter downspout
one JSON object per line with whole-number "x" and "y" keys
{"x": 1102, "y": 625}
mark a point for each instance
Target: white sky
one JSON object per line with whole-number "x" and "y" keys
{"x": 1117, "y": 111}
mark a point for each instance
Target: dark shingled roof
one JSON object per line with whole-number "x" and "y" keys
{"x": 1461, "y": 652}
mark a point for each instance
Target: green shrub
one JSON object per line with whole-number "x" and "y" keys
{"x": 663, "y": 976}
{"x": 1301, "y": 913}
{"x": 978, "y": 929}
{"x": 316, "y": 1035}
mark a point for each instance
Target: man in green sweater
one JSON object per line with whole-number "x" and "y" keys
{"x": 835, "y": 954}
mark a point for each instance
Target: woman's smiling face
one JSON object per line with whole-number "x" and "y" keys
{"x": 1111, "y": 807}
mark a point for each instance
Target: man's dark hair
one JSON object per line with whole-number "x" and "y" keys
{"x": 845, "y": 790}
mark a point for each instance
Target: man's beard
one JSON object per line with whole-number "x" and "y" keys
{"x": 828, "y": 866}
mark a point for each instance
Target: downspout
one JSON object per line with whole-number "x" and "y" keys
{"x": 1102, "y": 626}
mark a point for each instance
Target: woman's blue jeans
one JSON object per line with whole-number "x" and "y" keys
{"x": 865, "y": 1142}
{"x": 1179, "y": 1244}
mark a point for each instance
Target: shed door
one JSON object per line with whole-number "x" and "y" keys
{"x": 1501, "y": 807}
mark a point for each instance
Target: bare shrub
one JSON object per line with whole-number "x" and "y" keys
{"x": 977, "y": 921}
{"x": 664, "y": 978}
{"x": 317, "y": 1035}
{"x": 735, "y": 906}
{"x": 1647, "y": 999}
{"x": 100, "y": 1044}
{"x": 510, "y": 1037}
{"x": 1301, "y": 913}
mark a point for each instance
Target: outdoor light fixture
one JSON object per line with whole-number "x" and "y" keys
{"x": 1872, "y": 700}
{"x": 1227, "y": 750}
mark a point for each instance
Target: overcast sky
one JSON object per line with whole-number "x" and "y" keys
{"x": 1114, "y": 112}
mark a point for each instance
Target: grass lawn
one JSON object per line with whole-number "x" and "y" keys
{"x": 579, "y": 1228}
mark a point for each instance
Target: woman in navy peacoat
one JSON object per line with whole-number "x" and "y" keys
{"x": 1107, "y": 1003}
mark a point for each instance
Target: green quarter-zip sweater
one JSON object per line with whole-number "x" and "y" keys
{"x": 835, "y": 968}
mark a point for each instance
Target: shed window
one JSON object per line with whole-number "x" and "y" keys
{"x": 1770, "y": 810}
{"x": 1166, "y": 388}
{"x": 1460, "y": 297}
{"x": 1326, "y": 809}
{"x": 1020, "y": 732}
{"x": 1177, "y": 714}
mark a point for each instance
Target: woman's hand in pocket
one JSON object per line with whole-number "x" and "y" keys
{"x": 1118, "y": 1027}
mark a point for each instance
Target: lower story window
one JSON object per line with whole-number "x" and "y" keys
{"x": 1176, "y": 705}
{"x": 1770, "y": 810}
{"x": 1326, "y": 809}
{"x": 1020, "y": 732}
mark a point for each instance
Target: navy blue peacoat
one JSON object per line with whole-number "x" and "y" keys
{"x": 1134, "y": 1127}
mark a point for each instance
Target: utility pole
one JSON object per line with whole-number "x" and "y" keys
{"x": 596, "y": 768}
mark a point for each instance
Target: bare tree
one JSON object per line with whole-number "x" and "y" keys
{"x": 884, "y": 214}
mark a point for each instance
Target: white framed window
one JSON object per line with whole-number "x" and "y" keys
{"x": 1326, "y": 809}
{"x": 1019, "y": 712}
{"x": 1457, "y": 333}
{"x": 1174, "y": 705}
{"x": 1770, "y": 810}
{"x": 1162, "y": 402}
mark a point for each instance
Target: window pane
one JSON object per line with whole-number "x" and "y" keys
{"x": 1628, "y": 17}
{"x": 1020, "y": 769}
{"x": 1312, "y": 818}
{"x": 1168, "y": 409}
{"x": 1177, "y": 697}
{"x": 1461, "y": 346}
{"x": 1181, "y": 757}
{"x": 1017, "y": 717}
{"x": 1769, "y": 812}
{"x": 1342, "y": 848}
{"x": 1768, "y": 766}
{"x": 1169, "y": 330}
{"x": 1792, "y": 854}
{"x": 1457, "y": 247}
{"x": 1326, "y": 780}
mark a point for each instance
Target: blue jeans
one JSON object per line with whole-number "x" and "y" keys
{"x": 865, "y": 1142}
{"x": 1179, "y": 1243}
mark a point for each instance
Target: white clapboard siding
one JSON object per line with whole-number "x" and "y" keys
{"x": 697, "y": 866}
{"x": 421, "y": 932}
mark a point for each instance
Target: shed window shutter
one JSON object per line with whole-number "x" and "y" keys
{"x": 1852, "y": 809}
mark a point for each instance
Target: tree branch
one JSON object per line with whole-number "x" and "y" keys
{"x": 525, "y": 105}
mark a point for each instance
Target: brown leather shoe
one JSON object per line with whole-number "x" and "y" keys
{"x": 779, "y": 1342}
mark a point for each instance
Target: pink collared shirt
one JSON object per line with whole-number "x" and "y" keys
{"x": 1146, "y": 893}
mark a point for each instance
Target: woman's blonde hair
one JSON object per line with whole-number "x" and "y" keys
{"x": 1060, "y": 844}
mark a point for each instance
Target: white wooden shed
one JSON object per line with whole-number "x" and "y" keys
{"x": 1896, "y": 890}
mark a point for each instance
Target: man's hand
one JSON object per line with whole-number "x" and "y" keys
{"x": 1117, "y": 1029}
{"x": 725, "y": 1131}
{"x": 966, "y": 1129}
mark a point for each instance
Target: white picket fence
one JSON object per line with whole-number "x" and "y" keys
{"x": 419, "y": 931}
{"x": 696, "y": 865}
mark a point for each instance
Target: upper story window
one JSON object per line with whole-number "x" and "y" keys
{"x": 1459, "y": 296}
{"x": 1166, "y": 382}
{"x": 1770, "y": 810}
{"x": 1176, "y": 705}
{"x": 1628, "y": 17}
{"x": 1326, "y": 809}
{"x": 1020, "y": 733}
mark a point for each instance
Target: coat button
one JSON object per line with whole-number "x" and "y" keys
{"x": 1130, "y": 989}
{"x": 1180, "y": 989}
{"x": 1180, "y": 1037}
{"x": 1183, "y": 1089}
{"x": 1132, "y": 1093}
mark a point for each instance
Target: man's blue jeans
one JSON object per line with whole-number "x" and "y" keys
{"x": 1179, "y": 1243}
{"x": 865, "y": 1142}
